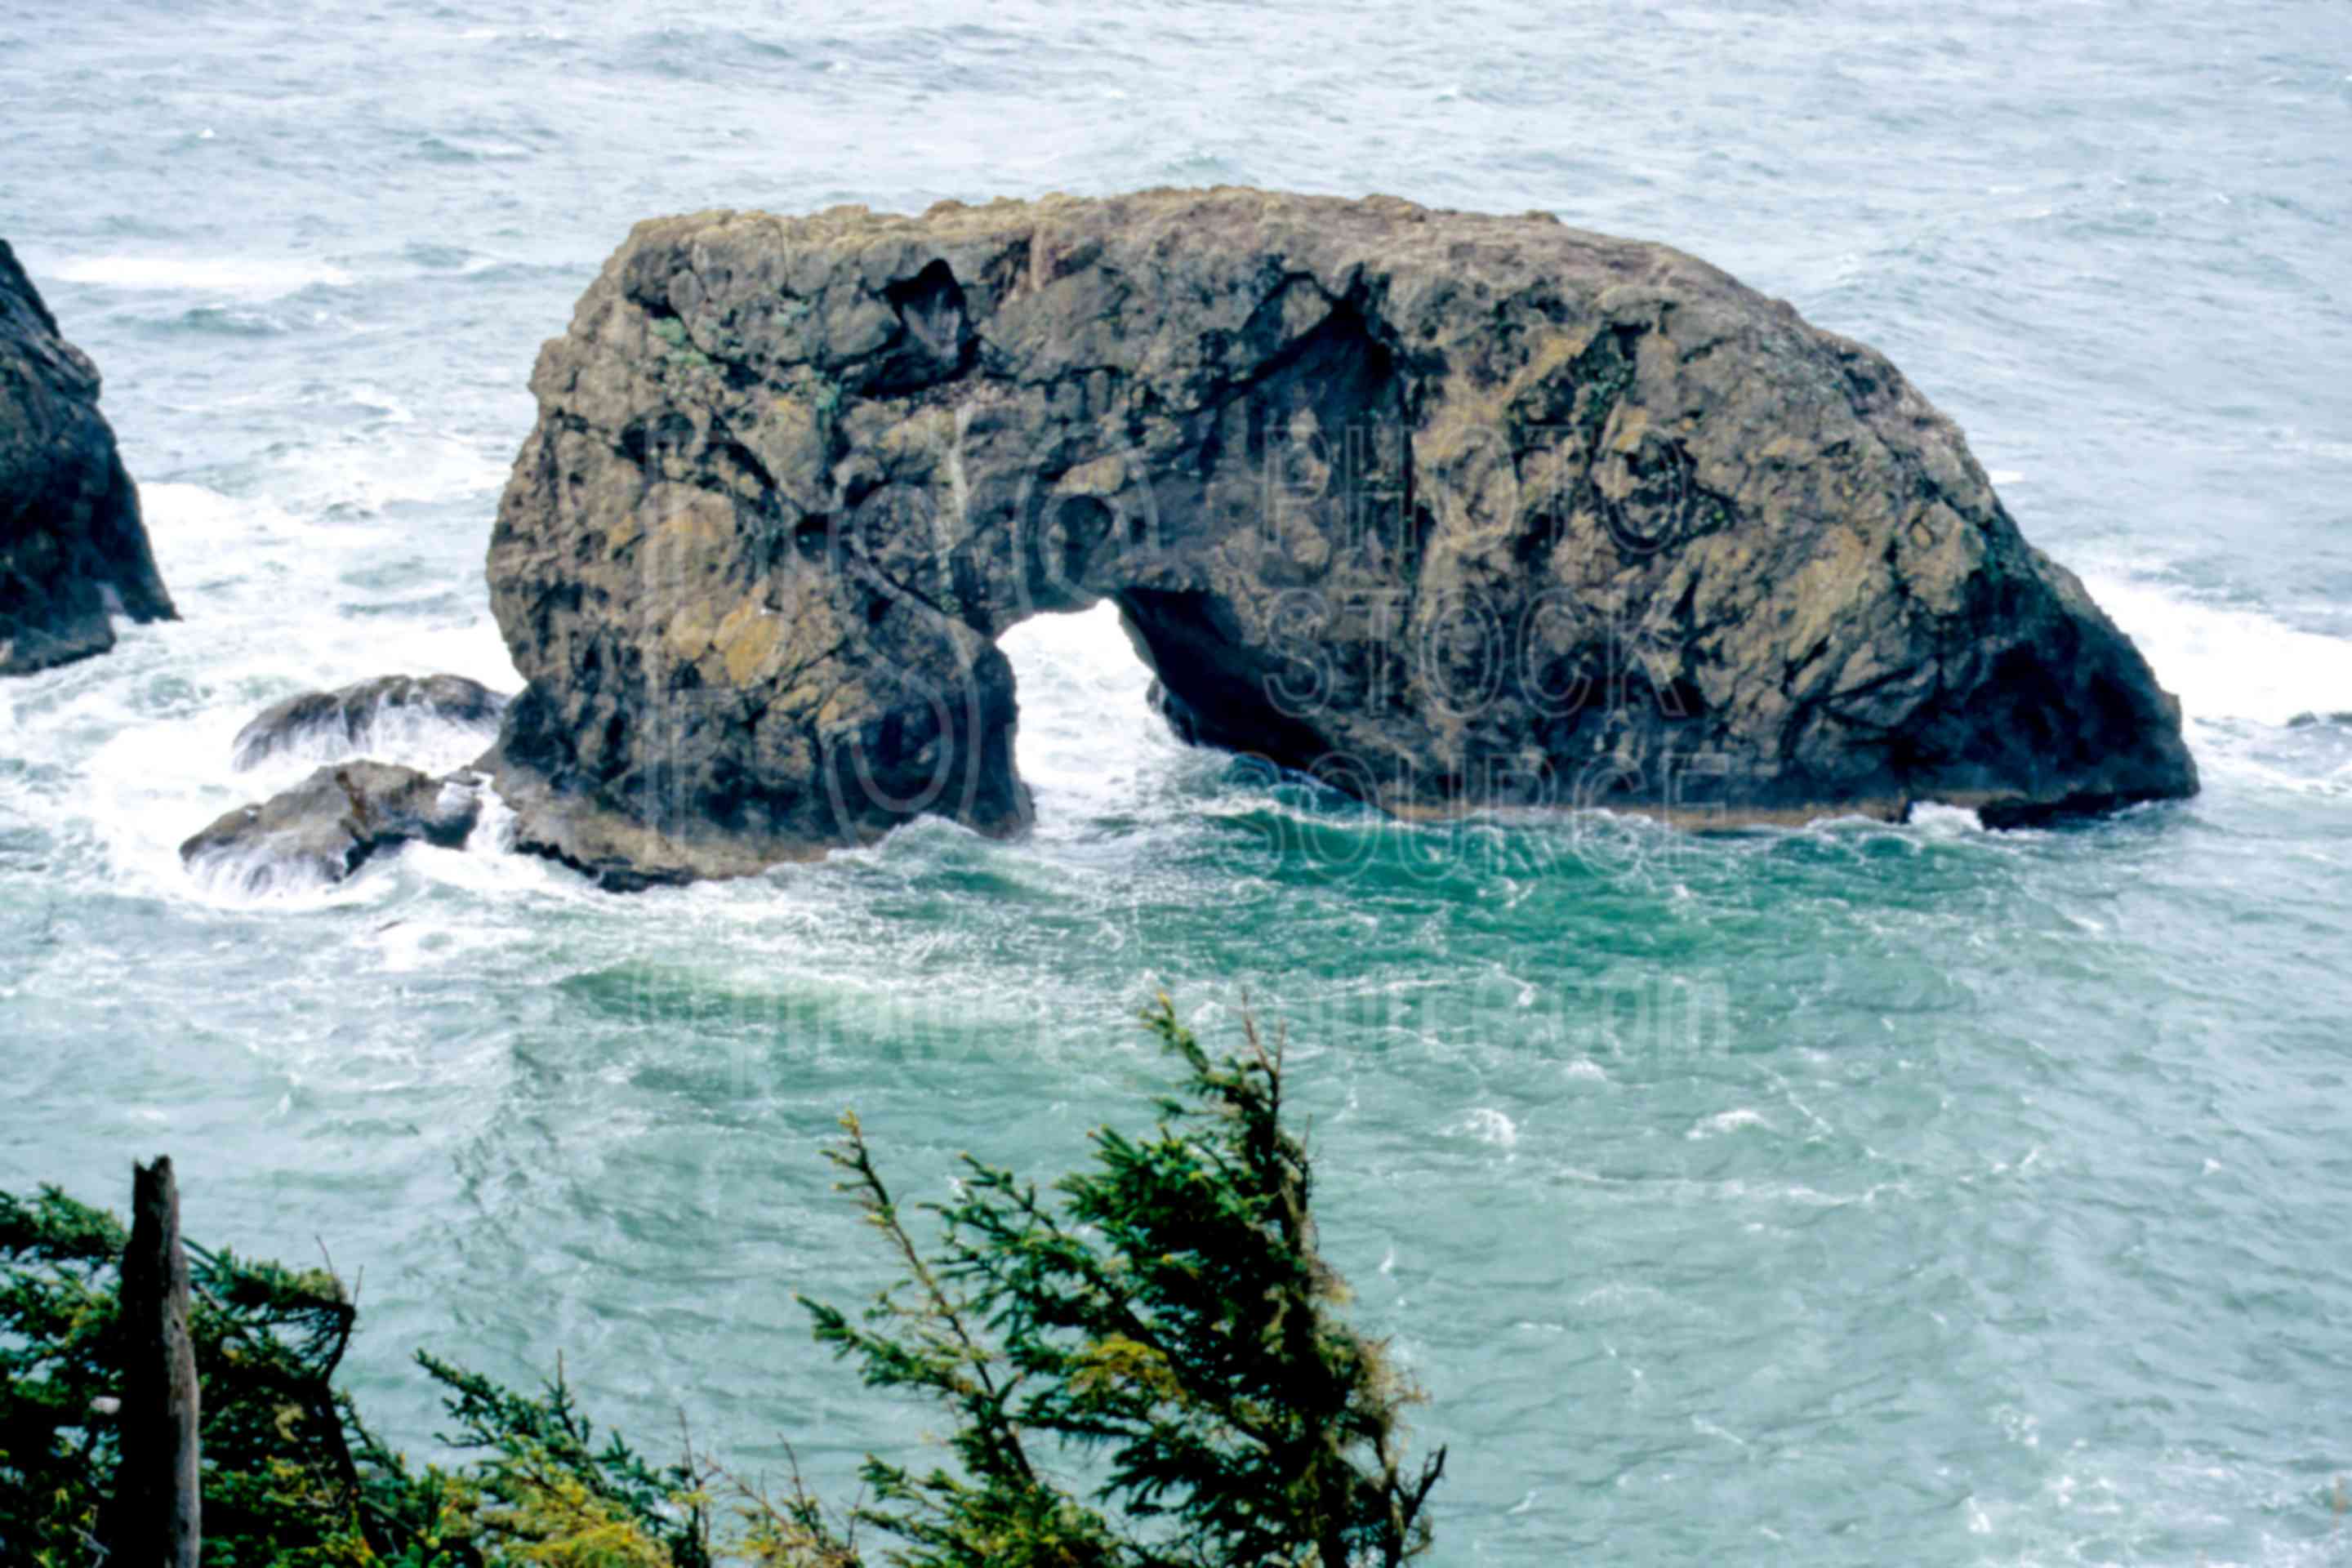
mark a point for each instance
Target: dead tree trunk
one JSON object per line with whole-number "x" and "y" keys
{"x": 155, "y": 1490}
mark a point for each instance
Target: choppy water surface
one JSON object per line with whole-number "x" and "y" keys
{"x": 1853, "y": 1195}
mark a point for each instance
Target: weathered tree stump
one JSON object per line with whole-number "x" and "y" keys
{"x": 156, "y": 1514}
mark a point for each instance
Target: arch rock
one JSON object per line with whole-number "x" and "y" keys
{"x": 1455, "y": 510}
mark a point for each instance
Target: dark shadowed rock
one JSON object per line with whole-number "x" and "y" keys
{"x": 73, "y": 551}
{"x": 353, "y": 716}
{"x": 1451, "y": 510}
{"x": 327, "y": 827}
{"x": 2307, "y": 720}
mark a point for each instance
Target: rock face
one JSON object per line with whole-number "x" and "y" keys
{"x": 353, "y": 716}
{"x": 327, "y": 827}
{"x": 1451, "y": 510}
{"x": 72, "y": 547}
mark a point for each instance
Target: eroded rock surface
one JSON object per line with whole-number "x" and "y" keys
{"x": 73, "y": 549}
{"x": 1454, "y": 510}
{"x": 327, "y": 827}
{"x": 354, "y": 716}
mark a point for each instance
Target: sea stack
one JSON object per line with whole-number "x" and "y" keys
{"x": 73, "y": 551}
{"x": 1454, "y": 510}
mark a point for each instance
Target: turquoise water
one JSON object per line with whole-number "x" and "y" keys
{"x": 1853, "y": 1195}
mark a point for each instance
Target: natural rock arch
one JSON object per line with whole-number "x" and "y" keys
{"x": 1456, "y": 511}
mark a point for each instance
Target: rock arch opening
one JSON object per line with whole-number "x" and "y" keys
{"x": 1090, "y": 741}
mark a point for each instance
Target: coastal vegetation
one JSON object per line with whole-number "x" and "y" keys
{"x": 1144, "y": 1364}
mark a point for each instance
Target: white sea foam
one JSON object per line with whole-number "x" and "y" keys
{"x": 2224, "y": 662}
{"x": 1934, "y": 819}
{"x": 370, "y": 469}
{"x": 1489, "y": 1126}
{"x": 250, "y": 276}
{"x": 412, "y": 736}
{"x": 1086, "y": 727}
{"x": 1728, "y": 1121}
{"x": 270, "y": 593}
{"x": 262, "y": 595}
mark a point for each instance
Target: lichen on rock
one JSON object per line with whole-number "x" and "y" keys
{"x": 1452, "y": 510}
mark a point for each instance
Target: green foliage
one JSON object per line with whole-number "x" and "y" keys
{"x": 1167, "y": 1313}
{"x": 280, "y": 1484}
{"x": 556, "y": 1494}
{"x": 292, "y": 1476}
{"x": 57, "y": 1312}
{"x": 1162, "y": 1320}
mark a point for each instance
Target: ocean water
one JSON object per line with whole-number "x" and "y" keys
{"x": 1856, "y": 1194}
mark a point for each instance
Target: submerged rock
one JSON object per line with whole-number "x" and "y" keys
{"x": 1451, "y": 510}
{"x": 353, "y": 716}
{"x": 330, "y": 824}
{"x": 73, "y": 550}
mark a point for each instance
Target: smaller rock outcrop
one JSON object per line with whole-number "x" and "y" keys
{"x": 357, "y": 717}
{"x": 73, "y": 550}
{"x": 330, "y": 824}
